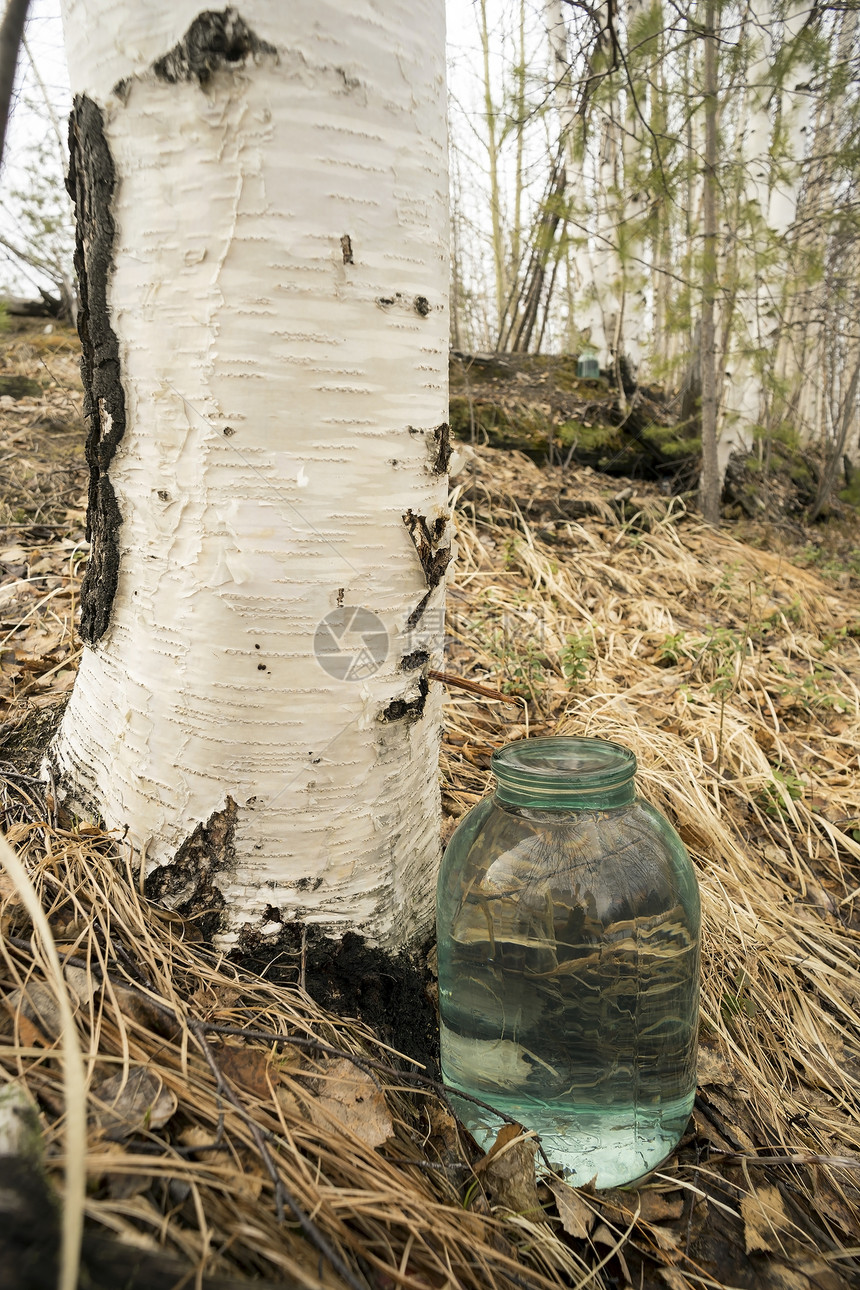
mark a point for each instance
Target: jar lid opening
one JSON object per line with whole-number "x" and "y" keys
{"x": 563, "y": 770}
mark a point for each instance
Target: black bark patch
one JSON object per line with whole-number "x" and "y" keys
{"x": 434, "y": 558}
{"x": 415, "y": 616}
{"x": 418, "y": 658}
{"x": 213, "y": 41}
{"x": 422, "y": 306}
{"x": 407, "y": 710}
{"x": 389, "y": 993}
{"x": 187, "y": 883}
{"x": 442, "y": 435}
{"x": 346, "y": 248}
{"x": 91, "y": 184}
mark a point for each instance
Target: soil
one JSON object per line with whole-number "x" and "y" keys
{"x": 390, "y": 993}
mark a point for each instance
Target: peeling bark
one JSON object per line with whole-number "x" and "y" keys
{"x": 91, "y": 184}
{"x": 213, "y": 42}
{"x": 426, "y": 537}
{"x": 407, "y": 709}
{"x": 188, "y": 885}
{"x": 442, "y": 436}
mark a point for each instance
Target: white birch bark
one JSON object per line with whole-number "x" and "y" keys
{"x": 814, "y": 309}
{"x": 593, "y": 249}
{"x": 279, "y": 293}
{"x": 634, "y": 204}
{"x": 796, "y": 110}
{"x": 742, "y": 389}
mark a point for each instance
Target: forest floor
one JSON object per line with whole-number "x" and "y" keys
{"x": 236, "y": 1128}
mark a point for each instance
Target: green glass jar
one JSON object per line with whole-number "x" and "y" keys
{"x": 568, "y": 929}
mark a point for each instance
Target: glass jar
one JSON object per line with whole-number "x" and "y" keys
{"x": 568, "y": 942}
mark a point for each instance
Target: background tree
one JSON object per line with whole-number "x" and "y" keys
{"x": 616, "y": 255}
{"x": 11, "y": 32}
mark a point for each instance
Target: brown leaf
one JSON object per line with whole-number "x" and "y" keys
{"x": 128, "y": 1106}
{"x": 674, "y": 1279}
{"x": 147, "y": 1014}
{"x": 36, "y": 1002}
{"x": 196, "y": 1136}
{"x": 82, "y": 986}
{"x": 29, "y": 1034}
{"x": 509, "y": 1174}
{"x": 507, "y": 1133}
{"x": 8, "y": 890}
{"x": 655, "y": 1206}
{"x": 122, "y": 1184}
{"x": 764, "y": 1218}
{"x": 577, "y": 1216}
{"x": 444, "y": 1139}
{"x": 711, "y": 1066}
{"x": 247, "y": 1068}
{"x": 349, "y": 1097}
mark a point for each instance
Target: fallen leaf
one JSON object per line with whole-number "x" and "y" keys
{"x": 349, "y": 1097}
{"x": 122, "y": 1183}
{"x": 712, "y": 1067}
{"x": 196, "y": 1136}
{"x": 674, "y": 1279}
{"x": 656, "y": 1206}
{"x": 8, "y": 890}
{"x": 29, "y": 1034}
{"x": 509, "y": 1174}
{"x": 664, "y": 1237}
{"x": 246, "y": 1068}
{"x": 147, "y": 1014}
{"x": 577, "y": 1216}
{"x": 81, "y": 985}
{"x": 128, "y": 1106}
{"x": 507, "y": 1133}
{"x": 37, "y": 1003}
{"x": 764, "y": 1218}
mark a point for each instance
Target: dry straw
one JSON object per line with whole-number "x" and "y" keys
{"x": 236, "y": 1125}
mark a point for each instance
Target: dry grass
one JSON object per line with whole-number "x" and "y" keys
{"x": 735, "y": 677}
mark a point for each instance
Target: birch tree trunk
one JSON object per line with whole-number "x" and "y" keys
{"x": 742, "y": 393}
{"x": 594, "y": 241}
{"x": 710, "y": 481}
{"x": 633, "y": 210}
{"x": 263, "y": 249}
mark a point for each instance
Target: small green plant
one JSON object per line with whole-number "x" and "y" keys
{"x": 524, "y": 668}
{"x": 576, "y": 658}
{"x": 672, "y": 650}
{"x": 737, "y": 1003}
{"x": 831, "y": 639}
{"x": 772, "y": 797}
{"x": 814, "y": 694}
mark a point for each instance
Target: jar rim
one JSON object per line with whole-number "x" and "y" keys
{"x": 562, "y": 766}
